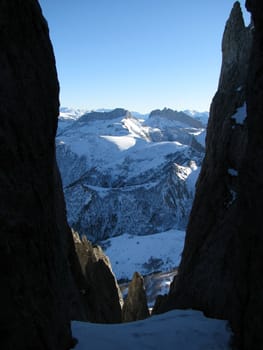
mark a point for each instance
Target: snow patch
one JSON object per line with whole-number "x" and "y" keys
{"x": 233, "y": 197}
{"x": 232, "y": 172}
{"x": 122, "y": 142}
{"x": 240, "y": 115}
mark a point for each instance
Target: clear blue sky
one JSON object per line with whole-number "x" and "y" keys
{"x": 137, "y": 54}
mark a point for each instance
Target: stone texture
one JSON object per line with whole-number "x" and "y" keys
{"x": 221, "y": 268}
{"x": 37, "y": 290}
{"x": 99, "y": 289}
{"x": 135, "y": 305}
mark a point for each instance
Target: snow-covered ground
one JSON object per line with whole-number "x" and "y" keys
{"x": 126, "y": 174}
{"x": 178, "y": 329}
{"x": 156, "y": 257}
{"x": 144, "y": 254}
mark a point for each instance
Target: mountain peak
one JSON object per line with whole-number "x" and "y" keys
{"x": 236, "y": 43}
{"x": 172, "y": 115}
{"x": 115, "y": 113}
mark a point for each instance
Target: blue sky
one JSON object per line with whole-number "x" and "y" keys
{"x": 137, "y": 54}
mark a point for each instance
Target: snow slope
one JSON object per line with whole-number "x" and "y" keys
{"x": 145, "y": 254}
{"x": 178, "y": 329}
{"x": 156, "y": 257}
{"x": 123, "y": 174}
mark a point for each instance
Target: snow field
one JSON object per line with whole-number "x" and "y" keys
{"x": 144, "y": 254}
{"x": 177, "y": 329}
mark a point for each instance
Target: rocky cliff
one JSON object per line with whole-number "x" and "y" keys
{"x": 100, "y": 293}
{"x": 37, "y": 291}
{"x": 212, "y": 228}
{"x": 221, "y": 266}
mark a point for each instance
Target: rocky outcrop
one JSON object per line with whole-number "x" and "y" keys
{"x": 37, "y": 294}
{"x": 206, "y": 278}
{"x": 135, "y": 305}
{"x": 236, "y": 46}
{"x": 221, "y": 268}
{"x": 100, "y": 292}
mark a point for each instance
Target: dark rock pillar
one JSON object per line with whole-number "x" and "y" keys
{"x": 221, "y": 268}
{"x": 100, "y": 293}
{"x": 206, "y": 277}
{"x": 250, "y": 262}
{"x": 135, "y": 305}
{"x": 37, "y": 291}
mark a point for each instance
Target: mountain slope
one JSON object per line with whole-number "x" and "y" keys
{"x": 124, "y": 174}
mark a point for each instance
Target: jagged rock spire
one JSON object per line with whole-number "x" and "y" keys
{"x": 236, "y": 44}
{"x": 135, "y": 305}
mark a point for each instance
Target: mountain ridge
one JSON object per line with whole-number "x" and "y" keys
{"x": 114, "y": 163}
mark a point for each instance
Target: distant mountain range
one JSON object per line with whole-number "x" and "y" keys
{"x": 124, "y": 172}
{"x": 71, "y": 113}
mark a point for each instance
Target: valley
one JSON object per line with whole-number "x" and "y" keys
{"x": 129, "y": 182}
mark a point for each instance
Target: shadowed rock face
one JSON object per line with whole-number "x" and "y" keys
{"x": 135, "y": 305}
{"x": 100, "y": 292}
{"x": 250, "y": 262}
{"x": 235, "y": 51}
{"x": 207, "y": 275}
{"x": 221, "y": 268}
{"x": 37, "y": 292}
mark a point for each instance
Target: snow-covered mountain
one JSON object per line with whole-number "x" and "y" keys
{"x": 201, "y": 116}
{"x": 123, "y": 174}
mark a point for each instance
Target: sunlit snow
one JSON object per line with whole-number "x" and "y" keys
{"x": 122, "y": 142}
{"x": 145, "y": 254}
